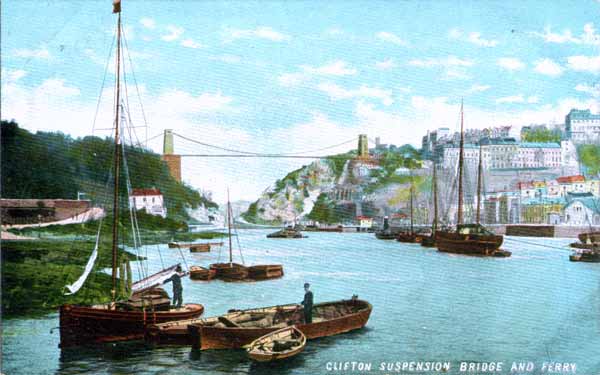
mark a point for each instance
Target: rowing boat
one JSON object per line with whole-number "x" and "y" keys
{"x": 281, "y": 344}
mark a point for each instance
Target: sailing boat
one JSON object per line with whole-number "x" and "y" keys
{"x": 410, "y": 236}
{"x": 120, "y": 319}
{"x": 230, "y": 271}
{"x": 469, "y": 239}
{"x": 429, "y": 241}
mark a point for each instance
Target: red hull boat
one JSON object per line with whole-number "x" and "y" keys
{"x": 89, "y": 325}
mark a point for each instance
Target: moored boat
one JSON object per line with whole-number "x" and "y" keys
{"x": 469, "y": 239}
{"x": 132, "y": 306}
{"x": 288, "y": 232}
{"x": 385, "y": 233}
{"x": 409, "y": 235}
{"x": 284, "y": 343}
{"x": 588, "y": 256}
{"x": 230, "y": 271}
{"x": 200, "y": 248}
{"x": 201, "y": 273}
{"x": 265, "y": 272}
{"x": 240, "y": 328}
{"x": 589, "y": 237}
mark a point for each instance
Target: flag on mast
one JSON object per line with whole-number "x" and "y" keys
{"x": 116, "y": 6}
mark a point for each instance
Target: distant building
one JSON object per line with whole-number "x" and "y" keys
{"x": 149, "y": 200}
{"x": 173, "y": 161}
{"x": 571, "y": 184}
{"x": 582, "y": 126}
{"x": 538, "y": 155}
{"x": 582, "y": 211}
{"x": 363, "y": 146}
{"x": 364, "y": 222}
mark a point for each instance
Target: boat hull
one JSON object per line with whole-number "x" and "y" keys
{"x": 428, "y": 241}
{"x": 380, "y": 235}
{"x": 230, "y": 271}
{"x": 259, "y": 354}
{"x": 205, "y": 337}
{"x": 265, "y": 272}
{"x": 589, "y": 237}
{"x": 201, "y": 273}
{"x": 409, "y": 238}
{"x": 88, "y": 325}
{"x": 587, "y": 257}
{"x": 468, "y": 244}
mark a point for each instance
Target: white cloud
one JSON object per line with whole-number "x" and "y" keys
{"x": 511, "y": 99}
{"x": 518, "y": 99}
{"x": 336, "y": 92}
{"x": 476, "y": 39}
{"x": 178, "y": 101}
{"x": 594, "y": 90}
{"x": 335, "y": 68}
{"x": 588, "y": 37}
{"x": 454, "y": 33}
{"x": 448, "y": 61}
{"x": 262, "y": 32}
{"x": 548, "y": 67}
{"x": 190, "y": 43}
{"x": 479, "y": 88}
{"x": 148, "y": 23}
{"x": 391, "y": 37}
{"x": 228, "y": 59}
{"x": 41, "y": 53}
{"x": 291, "y": 79}
{"x": 511, "y": 63}
{"x": 456, "y": 73}
{"x": 11, "y": 76}
{"x": 590, "y": 64}
{"x": 174, "y": 33}
{"x": 385, "y": 64}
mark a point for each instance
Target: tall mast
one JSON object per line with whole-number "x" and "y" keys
{"x": 459, "y": 218}
{"x": 435, "y": 203}
{"x": 479, "y": 180}
{"x": 115, "y": 232}
{"x": 412, "y": 190}
{"x": 229, "y": 228}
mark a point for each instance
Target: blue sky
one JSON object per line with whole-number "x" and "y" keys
{"x": 293, "y": 76}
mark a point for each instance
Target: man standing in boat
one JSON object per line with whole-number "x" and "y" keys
{"x": 177, "y": 288}
{"x": 307, "y": 303}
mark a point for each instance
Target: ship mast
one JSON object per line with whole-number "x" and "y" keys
{"x": 115, "y": 229}
{"x": 229, "y": 229}
{"x": 412, "y": 190}
{"x": 435, "y": 203}
{"x": 479, "y": 183}
{"x": 459, "y": 218}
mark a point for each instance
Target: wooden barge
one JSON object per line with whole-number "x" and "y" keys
{"x": 530, "y": 230}
{"x": 330, "y": 318}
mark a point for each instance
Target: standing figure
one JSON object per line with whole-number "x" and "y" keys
{"x": 177, "y": 288}
{"x": 307, "y": 303}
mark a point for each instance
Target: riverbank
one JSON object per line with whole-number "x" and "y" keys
{"x": 36, "y": 269}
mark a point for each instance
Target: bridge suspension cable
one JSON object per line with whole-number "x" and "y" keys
{"x": 241, "y": 153}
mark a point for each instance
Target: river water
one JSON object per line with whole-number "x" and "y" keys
{"x": 427, "y": 306}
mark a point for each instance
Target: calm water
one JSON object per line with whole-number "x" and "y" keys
{"x": 536, "y": 306}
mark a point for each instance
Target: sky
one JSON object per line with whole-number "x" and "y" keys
{"x": 295, "y": 76}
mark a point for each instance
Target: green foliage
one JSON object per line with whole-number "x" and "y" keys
{"x": 53, "y": 165}
{"x": 541, "y": 135}
{"x": 324, "y": 210}
{"x": 589, "y": 156}
{"x": 337, "y": 162}
{"x": 34, "y": 274}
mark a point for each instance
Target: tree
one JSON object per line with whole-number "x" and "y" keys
{"x": 589, "y": 156}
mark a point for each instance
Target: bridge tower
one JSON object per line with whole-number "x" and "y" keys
{"x": 173, "y": 161}
{"x": 363, "y": 146}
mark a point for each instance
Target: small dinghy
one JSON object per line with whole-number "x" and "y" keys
{"x": 281, "y": 344}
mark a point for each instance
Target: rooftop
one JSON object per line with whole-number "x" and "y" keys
{"x": 583, "y": 114}
{"x": 539, "y": 145}
{"x": 570, "y": 179}
{"x": 143, "y": 192}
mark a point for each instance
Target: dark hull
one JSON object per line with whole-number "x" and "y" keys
{"x": 428, "y": 241}
{"x": 589, "y": 237}
{"x": 230, "y": 272}
{"x": 468, "y": 244}
{"x": 586, "y": 256}
{"x": 265, "y": 272}
{"x": 530, "y": 230}
{"x": 385, "y": 235}
{"x": 86, "y": 325}
{"x": 409, "y": 238}
{"x": 201, "y": 273}
{"x": 210, "y": 337}
{"x": 579, "y": 245}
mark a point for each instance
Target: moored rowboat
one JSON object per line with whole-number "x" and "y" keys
{"x": 330, "y": 318}
{"x": 281, "y": 344}
{"x": 265, "y": 272}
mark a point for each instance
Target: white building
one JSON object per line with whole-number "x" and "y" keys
{"x": 582, "y": 211}
{"x": 538, "y": 155}
{"x": 582, "y": 126}
{"x": 149, "y": 200}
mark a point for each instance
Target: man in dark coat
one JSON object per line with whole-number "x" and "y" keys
{"x": 177, "y": 288}
{"x": 307, "y": 303}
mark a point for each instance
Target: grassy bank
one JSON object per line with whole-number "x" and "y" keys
{"x": 35, "y": 272}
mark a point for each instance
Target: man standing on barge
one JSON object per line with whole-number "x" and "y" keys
{"x": 307, "y": 303}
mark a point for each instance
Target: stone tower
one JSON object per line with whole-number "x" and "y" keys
{"x": 173, "y": 161}
{"x": 363, "y": 146}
